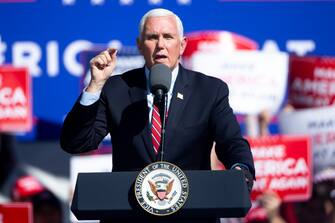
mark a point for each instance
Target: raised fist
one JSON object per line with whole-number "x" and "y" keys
{"x": 102, "y": 67}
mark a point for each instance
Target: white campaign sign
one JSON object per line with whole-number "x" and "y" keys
{"x": 319, "y": 123}
{"x": 257, "y": 80}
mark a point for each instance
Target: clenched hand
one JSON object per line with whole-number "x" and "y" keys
{"x": 102, "y": 66}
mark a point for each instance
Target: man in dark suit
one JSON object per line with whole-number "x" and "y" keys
{"x": 198, "y": 109}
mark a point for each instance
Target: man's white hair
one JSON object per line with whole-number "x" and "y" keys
{"x": 157, "y": 13}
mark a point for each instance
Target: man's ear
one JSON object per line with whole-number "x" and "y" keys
{"x": 183, "y": 45}
{"x": 139, "y": 45}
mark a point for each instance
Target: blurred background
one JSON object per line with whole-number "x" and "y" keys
{"x": 277, "y": 56}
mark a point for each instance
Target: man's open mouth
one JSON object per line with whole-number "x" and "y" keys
{"x": 159, "y": 57}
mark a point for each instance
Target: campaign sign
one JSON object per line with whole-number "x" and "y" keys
{"x": 283, "y": 165}
{"x": 312, "y": 81}
{"x": 257, "y": 80}
{"x": 16, "y": 213}
{"x": 15, "y": 100}
{"x": 319, "y": 124}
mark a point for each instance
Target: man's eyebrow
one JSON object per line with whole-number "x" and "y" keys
{"x": 163, "y": 34}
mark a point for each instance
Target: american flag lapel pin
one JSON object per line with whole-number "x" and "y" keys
{"x": 180, "y": 96}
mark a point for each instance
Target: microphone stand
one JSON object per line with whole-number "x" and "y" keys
{"x": 162, "y": 144}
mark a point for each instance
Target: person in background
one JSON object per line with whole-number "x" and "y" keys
{"x": 46, "y": 206}
{"x": 7, "y": 158}
{"x": 321, "y": 206}
{"x": 269, "y": 206}
{"x": 8, "y": 164}
{"x": 266, "y": 210}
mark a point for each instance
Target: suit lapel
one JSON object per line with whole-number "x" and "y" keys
{"x": 180, "y": 96}
{"x": 138, "y": 92}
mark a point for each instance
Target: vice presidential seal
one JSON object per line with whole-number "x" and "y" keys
{"x": 161, "y": 188}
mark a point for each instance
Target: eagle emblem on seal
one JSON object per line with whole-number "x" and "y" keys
{"x": 161, "y": 193}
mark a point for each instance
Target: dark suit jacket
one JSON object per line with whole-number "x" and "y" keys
{"x": 202, "y": 117}
{"x": 194, "y": 123}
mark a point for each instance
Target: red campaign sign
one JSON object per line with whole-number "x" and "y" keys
{"x": 283, "y": 164}
{"x": 312, "y": 81}
{"x": 15, "y": 100}
{"x": 16, "y": 213}
{"x": 212, "y": 40}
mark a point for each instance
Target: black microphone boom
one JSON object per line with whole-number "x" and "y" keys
{"x": 160, "y": 80}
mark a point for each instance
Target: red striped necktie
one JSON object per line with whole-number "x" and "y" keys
{"x": 156, "y": 127}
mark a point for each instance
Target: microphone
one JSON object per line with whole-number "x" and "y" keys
{"x": 160, "y": 80}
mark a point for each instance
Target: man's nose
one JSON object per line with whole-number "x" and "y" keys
{"x": 160, "y": 42}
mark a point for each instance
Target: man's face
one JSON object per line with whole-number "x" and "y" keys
{"x": 160, "y": 42}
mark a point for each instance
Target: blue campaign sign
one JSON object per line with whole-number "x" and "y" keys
{"x": 48, "y": 37}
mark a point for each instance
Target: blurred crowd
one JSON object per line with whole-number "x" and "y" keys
{"x": 269, "y": 207}
{"x": 47, "y": 208}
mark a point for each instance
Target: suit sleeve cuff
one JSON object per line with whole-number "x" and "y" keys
{"x": 88, "y": 98}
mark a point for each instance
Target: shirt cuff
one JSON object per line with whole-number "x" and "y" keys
{"x": 240, "y": 165}
{"x": 89, "y": 98}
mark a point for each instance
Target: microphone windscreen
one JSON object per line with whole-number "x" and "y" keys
{"x": 160, "y": 78}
